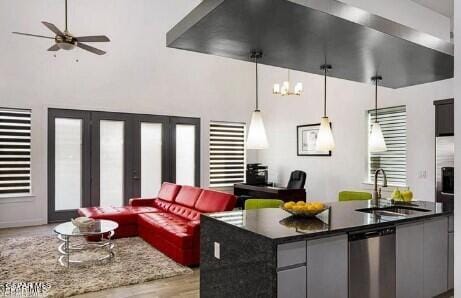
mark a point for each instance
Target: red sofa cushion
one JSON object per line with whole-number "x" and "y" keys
{"x": 162, "y": 205}
{"x": 141, "y": 202}
{"x": 188, "y": 195}
{"x": 168, "y": 191}
{"x": 184, "y": 212}
{"x": 214, "y": 201}
{"x": 170, "y": 227}
{"x": 121, "y": 215}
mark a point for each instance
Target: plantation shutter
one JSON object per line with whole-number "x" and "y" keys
{"x": 15, "y": 152}
{"x": 393, "y": 121}
{"x": 227, "y": 153}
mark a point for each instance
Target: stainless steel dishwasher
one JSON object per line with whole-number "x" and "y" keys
{"x": 372, "y": 264}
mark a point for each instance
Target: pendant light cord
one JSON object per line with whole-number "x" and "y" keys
{"x": 325, "y": 100}
{"x": 257, "y": 93}
{"x": 66, "y": 14}
{"x": 325, "y": 68}
{"x": 376, "y": 100}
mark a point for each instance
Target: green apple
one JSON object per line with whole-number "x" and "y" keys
{"x": 396, "y": 195}
{"x": 407, "y": 195}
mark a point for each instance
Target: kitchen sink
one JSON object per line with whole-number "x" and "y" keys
{"x": 394, "y": 211}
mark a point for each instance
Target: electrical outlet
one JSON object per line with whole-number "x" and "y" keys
{"x": 422, "y": 174}
{"x": 217, "y": 250}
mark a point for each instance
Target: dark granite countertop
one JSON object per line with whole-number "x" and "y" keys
{"x": 280, "y": 226}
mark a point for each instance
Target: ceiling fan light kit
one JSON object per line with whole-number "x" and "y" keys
{"x": 66, "y": 41}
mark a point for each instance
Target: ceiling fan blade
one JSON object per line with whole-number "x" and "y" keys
{"x": 33, "y": 35}
{"x": 90, "y": 49}
{"x": 53, "y": 28}
{"x": 54, "y": 48}
{"x": 96, "y": 38}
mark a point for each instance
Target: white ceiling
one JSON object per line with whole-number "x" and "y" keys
{"x": 444, "y": 7}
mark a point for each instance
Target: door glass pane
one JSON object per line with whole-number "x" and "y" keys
{"x": 111, "y": 162}
{"x": 68, "y": 163}
{"x": 151, "y": 159}
{"x": 185, "y": 154}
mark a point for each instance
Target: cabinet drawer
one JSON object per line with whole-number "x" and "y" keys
{"x": 291, "y": 254}
{"x": 291, "y": 283}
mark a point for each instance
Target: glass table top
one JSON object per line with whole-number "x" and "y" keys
{"x": 100, "y": 226}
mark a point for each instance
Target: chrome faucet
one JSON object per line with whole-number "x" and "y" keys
{"x": 376, "y": 192}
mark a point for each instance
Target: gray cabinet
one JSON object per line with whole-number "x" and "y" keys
{"x": 327, "y": 267}
{"x": 291, "y": 283}
{"x": 422, "y": 258}
{"x": 316, "y": 269}
{"x": 451, "y": 261}
{"x": 409, "y": 260}
{"x": 444, "y": 117}
{"x": 451, "y": 252}
{"x": 435, "y": 249}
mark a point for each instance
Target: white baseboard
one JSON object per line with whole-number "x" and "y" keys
{"x": 22, "y": 223}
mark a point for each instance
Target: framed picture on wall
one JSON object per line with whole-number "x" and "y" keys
{"x": 307, "y": 138}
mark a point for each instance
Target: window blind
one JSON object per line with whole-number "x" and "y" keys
{"x": 15, "y": 145}
{"x": 393, "y": 122}
{"x": 227, "y": 153}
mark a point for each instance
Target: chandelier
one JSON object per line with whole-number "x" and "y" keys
{"x": 285, "y": 88}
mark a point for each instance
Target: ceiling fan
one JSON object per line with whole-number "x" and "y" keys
{"x": 66, "y": 41}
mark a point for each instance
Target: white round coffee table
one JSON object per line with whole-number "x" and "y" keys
{"x": 98, "y": 236}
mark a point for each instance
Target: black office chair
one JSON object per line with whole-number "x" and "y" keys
{"x": 297, "y": 180}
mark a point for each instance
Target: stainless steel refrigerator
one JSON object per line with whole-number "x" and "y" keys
{"x": 444, "y": 170}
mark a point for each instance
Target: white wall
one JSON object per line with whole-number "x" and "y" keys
{"x": 408, "y": 13}
{"x": 139, "y": 75}
{"x": 457, "y": 87}
{"x": 347, "y": 106}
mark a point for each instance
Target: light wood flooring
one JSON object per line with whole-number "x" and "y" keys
{"x": 179, "y": 286}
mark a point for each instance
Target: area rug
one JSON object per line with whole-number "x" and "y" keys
{"x": 30, "y": 264}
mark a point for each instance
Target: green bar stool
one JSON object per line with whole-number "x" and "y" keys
{"x": 354, "y": 196}
{"x": 262, "y": 203}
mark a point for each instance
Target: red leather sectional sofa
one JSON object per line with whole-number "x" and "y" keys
{"x": 170, "y": 222}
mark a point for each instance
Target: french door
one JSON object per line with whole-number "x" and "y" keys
{"x": 104, "y": 159}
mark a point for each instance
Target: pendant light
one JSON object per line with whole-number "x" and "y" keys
{"x": 376, "y": 142}
{"x": 325, "y": 141}
{"x": 257, "y": 138}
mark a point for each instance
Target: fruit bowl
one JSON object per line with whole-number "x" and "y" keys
{"x": 303, "y": 211}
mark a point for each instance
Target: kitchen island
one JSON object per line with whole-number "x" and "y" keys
{"x": 380, "y": 251}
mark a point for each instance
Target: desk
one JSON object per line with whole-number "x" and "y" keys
{"x": 270, "y": 192}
